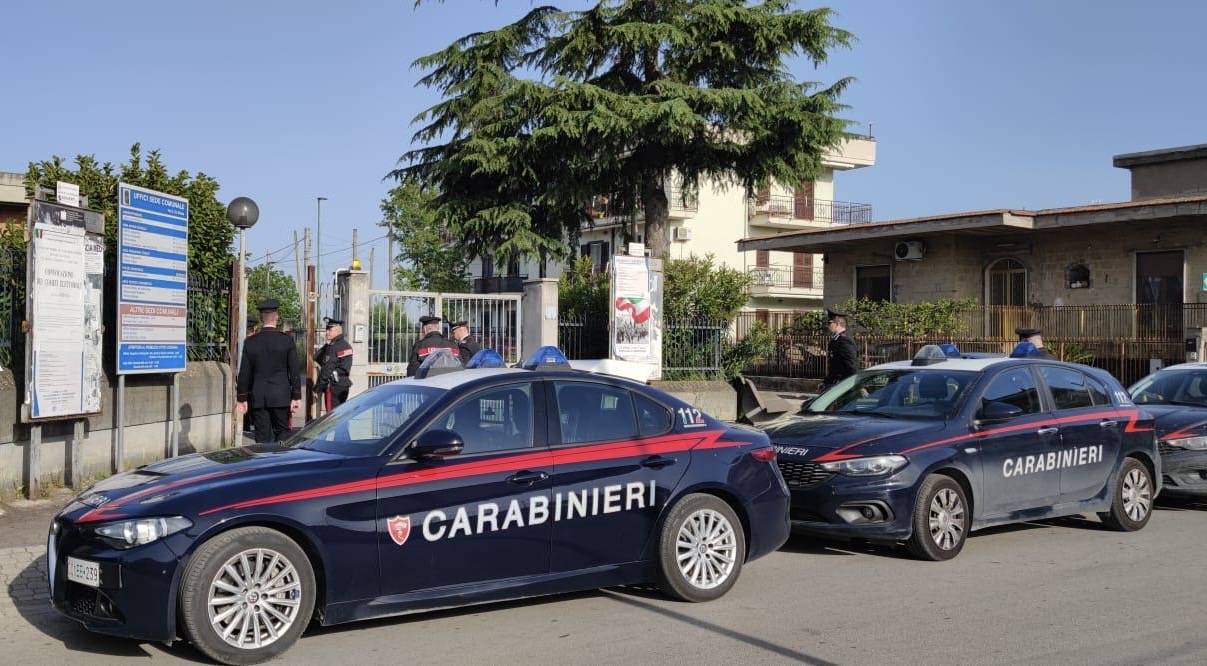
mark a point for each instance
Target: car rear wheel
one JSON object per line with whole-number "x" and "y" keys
{"x": 701, "y": 549}
{"x": 247, "y": 595}
{"x": 1132, "y": 503}
{"x": 941, "y": 519}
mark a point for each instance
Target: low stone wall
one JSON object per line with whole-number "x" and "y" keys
{"x": 715, "y": 398}
{"x": 205, "y": 404}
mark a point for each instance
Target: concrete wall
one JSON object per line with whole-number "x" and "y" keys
{"x": 1169, "y": 179}
{"x": 205, "y": 402}
{"x": 954, "y": 266}
{"x": 715, "y": 398}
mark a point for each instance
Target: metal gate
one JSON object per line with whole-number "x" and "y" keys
{"x": 494, "y": 320}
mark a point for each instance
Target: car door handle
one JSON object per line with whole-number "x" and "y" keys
{"x": 1107, "y": 424}
{"x": 657, "y": 461}
{"x": 527, "y": 478}
{"x": 1044, "y": 432}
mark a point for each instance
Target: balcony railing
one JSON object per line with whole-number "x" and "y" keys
{"x": 792, "y": 208}
{"x": 678, "y": 204}
{"x": 786, "y": 277}
{"x": 499, "y": 284}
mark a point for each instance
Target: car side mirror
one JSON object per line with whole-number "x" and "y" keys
{"x": 996, "y": 412}
{"x": 438, "y": 443}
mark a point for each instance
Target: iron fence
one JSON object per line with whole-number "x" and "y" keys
{"x": 781, "y": 276}
{"x": 693, "y": 348}
{"x": 807, "y": 209}
{"x": 209, "y": 319}
{"x": 12, "y": 306}
{"x": 583, "y": 336}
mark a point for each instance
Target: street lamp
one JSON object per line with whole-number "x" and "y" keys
{"x": 318, "y": 255}
{"x": 243, "y": 214}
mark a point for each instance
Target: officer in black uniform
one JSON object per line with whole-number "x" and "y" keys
{"x": 465, "y": 342}
{"x": 253, "y": 326}
{"x": 843, "y": 361}
{"x": 335, "y": 366}
{"x": 432, "y": 340}
{"x": 270, "y": 384}
{"x": 1035, "y": 337}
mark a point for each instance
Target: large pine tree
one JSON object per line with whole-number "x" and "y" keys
{"x": 617, "y": 100}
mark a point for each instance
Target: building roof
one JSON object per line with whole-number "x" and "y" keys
{"x": 1161, "y": 156}
{"x": 986, "y": 222}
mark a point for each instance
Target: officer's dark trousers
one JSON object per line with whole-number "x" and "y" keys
{"x": 334, "y": 398}
{"x": 272, "y": 424}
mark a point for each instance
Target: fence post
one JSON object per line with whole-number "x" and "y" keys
{"x": 354, "y": 309}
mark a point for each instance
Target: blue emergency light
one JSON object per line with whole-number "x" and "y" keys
{"x": 547, "y": 357}
{"x": 438, "y": 362}
{"x": 950, "y": 350}
{"x": 487, "y": 358}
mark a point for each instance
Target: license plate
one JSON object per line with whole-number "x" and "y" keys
{"x": 84, "y": 572}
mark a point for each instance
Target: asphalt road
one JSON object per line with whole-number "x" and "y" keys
{"x": 1062, "y": 592}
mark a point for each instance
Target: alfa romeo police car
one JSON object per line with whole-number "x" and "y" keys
{"x": 451, "y": 488}
{"x": 921, "y": 452}
{"x": 1177, "y": 398}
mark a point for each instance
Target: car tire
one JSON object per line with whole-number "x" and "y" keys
{"x": 701, "y": 549}
{"x": 1132, "y": 498}
{"x": 941, "y": 519}
{"x": 267, "y": 579}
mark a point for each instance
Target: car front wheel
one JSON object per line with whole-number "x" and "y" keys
{"x": 941, "y": 519}
{"x": 701, "y": 549}
{"x": 247, "y": 595}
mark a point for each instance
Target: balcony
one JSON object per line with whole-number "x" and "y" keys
{"x": 786, "y": 281}
{"x": 499, "y": 284}
{"x": 679, "y": 207}
{"x": 797, "y": 212}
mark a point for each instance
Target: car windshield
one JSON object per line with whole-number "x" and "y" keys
{"x": 1172, "y": 387}
{"x": 910, "y": 393}
{"x": 362, "y": 425}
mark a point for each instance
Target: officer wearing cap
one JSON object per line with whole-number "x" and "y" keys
{"x": 270, "y": 384}
{"x": 432, "y": 340}
{"x": 1035, "y": 337}
{"x": 843, "y": 361}
{"x": 335, "y": 366}
{"x": 465, "y": 342}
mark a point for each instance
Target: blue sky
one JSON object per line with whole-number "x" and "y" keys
{"x": 974, "y": 104}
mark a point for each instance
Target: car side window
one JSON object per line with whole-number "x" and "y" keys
{"x": 590, "y": 412}
{"x": 1014, "y": 387}
{"x": 497, "y": 419}
{"x": 1098, "y": 392}
{"x": 652, "y": 418}
{"x": 1069, "y": 387}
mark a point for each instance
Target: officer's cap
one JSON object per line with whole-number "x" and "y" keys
{"x": 332, "y": 323}
{"x": 270, "y": 304}
{"x": 459, "y": 324}
{"x": 1024, "y": 333}
{"x": 834, "y": 314}
{"x": 428, "y": 319}
{"x": 252, "y": 321}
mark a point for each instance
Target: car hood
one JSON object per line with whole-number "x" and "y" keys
{"x": 835, "y": 437}
{"x": 1177, "y": 421}
{"x": 168, "y": 485}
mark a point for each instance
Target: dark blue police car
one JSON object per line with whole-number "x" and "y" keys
{"x": 453, "y": 488}
{"x": 1176, "y": 396}
{"x": 921, "y": 452}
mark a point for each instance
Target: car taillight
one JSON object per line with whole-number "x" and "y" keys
{"x": 764, "y": 454}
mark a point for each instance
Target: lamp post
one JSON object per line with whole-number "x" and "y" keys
{"x": 318, "y": 256}
{"x": 242, "y": 213}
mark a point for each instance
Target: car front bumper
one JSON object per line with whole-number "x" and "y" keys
{"x": 879, "y": 510}
{"x": 1184, "y": 473}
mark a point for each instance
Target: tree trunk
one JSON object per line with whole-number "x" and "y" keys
{"x": 653, "y": 200}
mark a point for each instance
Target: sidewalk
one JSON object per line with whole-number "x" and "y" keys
{"x": 24, "y": 525}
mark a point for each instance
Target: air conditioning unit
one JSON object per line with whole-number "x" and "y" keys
{"x": 683, "y": 234}
{"x": 909, "y": 250}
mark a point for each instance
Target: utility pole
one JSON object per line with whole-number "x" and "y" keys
{"x": 268, "y": 276}
{"x": 390, "y": 258}
{"x": 354, "y": 258}
{"x": 372, "y": 265}
{"x": 297, "y": 270}
{"x": 318, "y": 243}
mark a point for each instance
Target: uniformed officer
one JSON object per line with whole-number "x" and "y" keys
{"x": 1035, "y": 337}
{"x": 465, "y": 342}
{"x": 253, "y": 327}
{"x": 432, "y": 340}
{"x": 843, "y": 361}
{"x": 270, "y": 384}
{"x": 335, "y": 366}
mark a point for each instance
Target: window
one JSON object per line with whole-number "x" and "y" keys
{"x": 1013, "y": 387}
{"x": 364, "y": 425}
{"x": 921, "y": 394}
{"x": 874, "y": 282}
{"x": 1006, "y": 280}
{"x": 1069, "y": 390}
{"x": 1098, "y": 392}
{"x": 497, "y": 419}
{"x": 591, "y": 412}
{"x": 653, "y": 418}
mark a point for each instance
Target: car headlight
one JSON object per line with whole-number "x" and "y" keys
{"x": 1189, "y": 443}
{"x": 872, "y": 466}
{"x": 136, "y": 532}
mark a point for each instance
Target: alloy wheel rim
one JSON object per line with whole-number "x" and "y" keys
{"x": 946, "y": 519}
{"x": 1137, "y": 495}
{"x": 706, "y": 549}
{"x": 254, "y": 598}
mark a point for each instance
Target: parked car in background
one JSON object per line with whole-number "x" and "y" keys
{"x": 1176, "y": 396}
{"x": 922, "y": 452}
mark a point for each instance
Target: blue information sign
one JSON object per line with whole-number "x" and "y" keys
{"x": 152, "y": 281}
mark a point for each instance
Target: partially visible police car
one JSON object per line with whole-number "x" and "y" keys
{"x": 1177, "y": 398}
{"x": 451, "y": 488}
{"x": 922, "y": 452}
